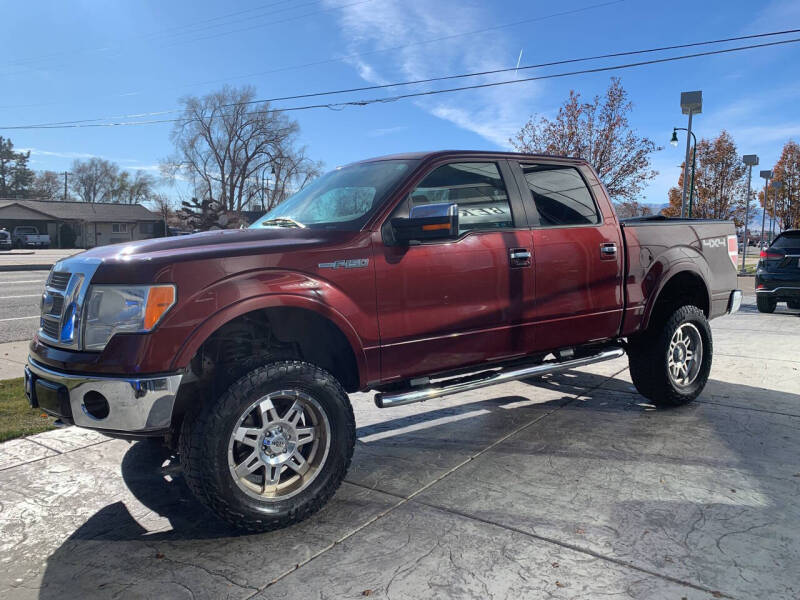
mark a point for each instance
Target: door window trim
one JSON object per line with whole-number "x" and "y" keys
{"x": 532, "y": 211}
{"x": 519, "y": 215}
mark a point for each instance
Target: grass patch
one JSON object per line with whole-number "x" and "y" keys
{"x": 17, "y": 418}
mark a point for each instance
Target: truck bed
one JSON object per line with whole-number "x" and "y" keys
{"x": 657, "y": 246}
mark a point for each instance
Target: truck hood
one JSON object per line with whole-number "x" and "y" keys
{"x": 215, "y": 244}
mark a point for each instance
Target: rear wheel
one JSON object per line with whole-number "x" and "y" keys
{"x": 793, "y": 304}
{"x": 273, "y": 448}
{"x": 765, "y": 304}
{"x": 670, "y": 364}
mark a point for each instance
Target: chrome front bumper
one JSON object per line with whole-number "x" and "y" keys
{"x": 137, "y": 405}
{"x": 735, "y": 301}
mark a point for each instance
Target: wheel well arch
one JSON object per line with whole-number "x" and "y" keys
{"x": 684, "y": 287}
{"x": 281, "y": 332}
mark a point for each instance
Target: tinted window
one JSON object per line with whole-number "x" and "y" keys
{"x": 560, "y": 195}
{"x": 787, "y": 240}
{"x": 478, "y": 190}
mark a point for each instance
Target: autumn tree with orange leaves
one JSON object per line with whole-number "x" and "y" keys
{"x": 719, "y": 182}
{"x": 784, "y": 204}
{"x": 599, "y": 132}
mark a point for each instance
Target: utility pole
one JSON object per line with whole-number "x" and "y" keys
{"x": 691, "y": 104}
{"x": 65, "y": 186}
{"x": 750, "y": 160}
{"x": 767, "y": 175}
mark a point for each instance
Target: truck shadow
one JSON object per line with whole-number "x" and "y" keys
{"x": 113, "y": 552}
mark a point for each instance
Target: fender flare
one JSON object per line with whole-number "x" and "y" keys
{"x": 266, "y": 301}
{"x": 674, "y": 269}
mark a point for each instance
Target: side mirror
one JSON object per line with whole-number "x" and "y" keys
{"x": 427, "y": 222}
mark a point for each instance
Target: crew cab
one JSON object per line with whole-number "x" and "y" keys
{"x": 416, "y": 276}
{"x": 26, "y": 236}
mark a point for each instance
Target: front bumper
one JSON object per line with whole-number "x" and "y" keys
{"x": 132, "y": 405}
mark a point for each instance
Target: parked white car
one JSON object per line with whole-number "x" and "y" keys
{"x": 28, "y": 236}
{"x": 5, "y": 240}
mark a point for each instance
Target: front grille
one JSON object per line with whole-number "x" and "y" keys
{"x": 50, "y": 328}
{"x": 59, "y": 280}
{"x": 58, "y": 304}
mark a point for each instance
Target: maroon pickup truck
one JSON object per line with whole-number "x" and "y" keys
{"x": 416, "y": 276}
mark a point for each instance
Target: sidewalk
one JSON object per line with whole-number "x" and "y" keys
{"x": 33, "y": 260}
{"x": 13, "y": 356}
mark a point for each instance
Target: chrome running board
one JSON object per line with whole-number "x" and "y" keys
{"x": 487, "y": 378}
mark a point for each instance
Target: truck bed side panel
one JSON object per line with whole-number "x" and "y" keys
{"x": 656, "y": 251}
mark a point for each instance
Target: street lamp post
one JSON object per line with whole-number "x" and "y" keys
{"x": 691, "y": 104}
{"x": 767, "y": 175}
{"x": 776, "y": 186}
{"x": 674, "y": 142}
{"x": 751, "y": 160}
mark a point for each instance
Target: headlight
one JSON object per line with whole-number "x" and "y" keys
{"x": 124, "y": 308}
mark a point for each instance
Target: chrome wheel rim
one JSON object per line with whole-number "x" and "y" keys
{"x": 685, "y": 355}
{"x": 278, "y": 445}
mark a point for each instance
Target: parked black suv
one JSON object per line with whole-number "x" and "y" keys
{"x": 778, "y": 273}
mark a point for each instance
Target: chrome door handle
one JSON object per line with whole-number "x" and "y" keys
{"x": 519, "y": 257}
{"x": 608, "y": 250}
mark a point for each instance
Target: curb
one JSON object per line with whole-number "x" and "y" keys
{"x": 11, "y": 268}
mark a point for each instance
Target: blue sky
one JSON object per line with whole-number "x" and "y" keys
{"x": 92, "y": 58}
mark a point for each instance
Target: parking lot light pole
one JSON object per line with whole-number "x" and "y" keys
{"x": 691, "y": 104}
{"x": 767, "y": 175}
{"x": 751, "y": 160}
{"x": 674, "y": 142}
{"x": 776, "y": 186}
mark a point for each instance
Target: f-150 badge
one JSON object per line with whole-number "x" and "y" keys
{"x": 351, "y": 263}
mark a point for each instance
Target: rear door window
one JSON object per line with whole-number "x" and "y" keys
{"x": 560, "y": 196}
{"x": 476, "y": 187}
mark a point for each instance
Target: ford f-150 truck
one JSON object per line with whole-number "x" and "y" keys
{"x": 415, "y": 276}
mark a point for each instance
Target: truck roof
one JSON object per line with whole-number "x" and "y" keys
{"x": 471, "y": 153}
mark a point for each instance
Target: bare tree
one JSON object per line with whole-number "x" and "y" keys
{"x": 94, "y": 180}
{"x": 134, "y": 189}
{"x": 48, "y": 184}
{"x": 599, "y": 132}
{"x": 227, "y": 143}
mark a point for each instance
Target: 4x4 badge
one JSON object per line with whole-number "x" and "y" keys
{"x": 351, "y": 263}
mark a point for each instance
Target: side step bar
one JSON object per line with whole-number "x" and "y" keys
{"x": 487, "y": 378}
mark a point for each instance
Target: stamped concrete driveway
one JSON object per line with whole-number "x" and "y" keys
{"x": 566, "y": 487}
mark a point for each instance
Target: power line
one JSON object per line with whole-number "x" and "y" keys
{"x": 373, "y": 52}
{"x": 366, "y": 102}
{"x": 434, "y": 79}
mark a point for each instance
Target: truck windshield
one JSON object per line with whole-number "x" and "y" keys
{"x": 342, "y": 199}
{"x": 27, "y": 230}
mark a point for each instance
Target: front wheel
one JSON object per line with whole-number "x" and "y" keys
{"x": 272, "y": 449}
{"x": 765, "y": 304}
{"x": 671, "y": 364}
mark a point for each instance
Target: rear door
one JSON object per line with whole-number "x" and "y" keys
{"x": 450, "y": 303}
{"x": 578, "y": 255}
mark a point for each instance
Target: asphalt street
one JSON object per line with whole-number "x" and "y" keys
{"x": 20, "y": 293}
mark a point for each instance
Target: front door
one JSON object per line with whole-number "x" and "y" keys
{"x": 577, "y": 255}
{"x": 450, "y": 303}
